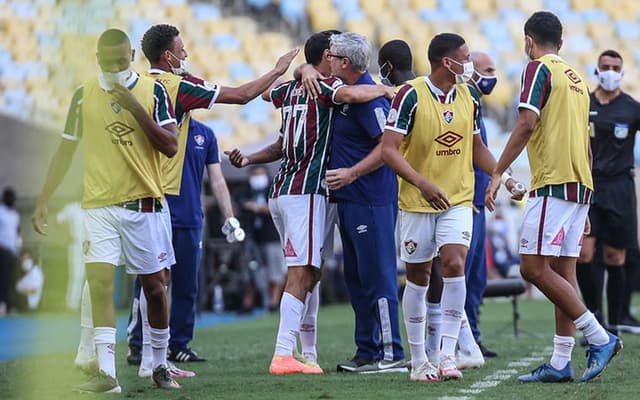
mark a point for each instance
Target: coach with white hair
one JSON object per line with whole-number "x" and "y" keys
{"x": 367, "y": 196}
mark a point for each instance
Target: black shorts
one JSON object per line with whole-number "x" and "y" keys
{"x": 613, "y": 215}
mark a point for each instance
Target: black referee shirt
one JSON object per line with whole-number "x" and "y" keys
{"x": 613, "y": 135}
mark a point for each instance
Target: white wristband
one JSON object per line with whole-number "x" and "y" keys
{"x": 505, "y": 177}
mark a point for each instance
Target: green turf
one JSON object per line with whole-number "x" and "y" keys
{"x": 239, "y": 356}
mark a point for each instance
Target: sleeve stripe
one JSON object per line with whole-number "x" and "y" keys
{"x": 528, "y": 80}
{"x": 529, "y": 107}
{"x": 397, "y": 130}
{"x": 545, "y": 90}
{"x": 167, "y": 121}
{"x": 69, "y": 137}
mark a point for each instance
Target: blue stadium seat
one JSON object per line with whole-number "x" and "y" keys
{"x": 219, "y": 126}
{"x": 226, "y": 41}
{"x": 256, "y": 111}
{"x": 240, "y": 70}
{"x": 293, "y": 10}
{"x": 259, "y": 4}
{"x": 204, "y": 12}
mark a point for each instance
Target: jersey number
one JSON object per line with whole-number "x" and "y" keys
{"x": 296, "y": 115}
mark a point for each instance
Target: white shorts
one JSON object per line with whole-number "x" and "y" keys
{"x": 300, "y": 221}
{"x": 139, "y": 240}
{"x": 553, "y": 227}
{"x": 423, "y": 234}
{"x": 331, "y": 222}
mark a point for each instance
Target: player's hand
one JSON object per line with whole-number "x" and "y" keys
{"x": 492, "y": 192}
{"x": 125, "y": 98}
{"x": 434, "y": 196}
{"x": 341, "y": 177}
{"x": 285, "y": 60}
{"x": 517, "y": 189}
{"x": 389, "y": 93}
{"x": 236, "y": 158}
{"x": 587, "y": 226}
{"x": 309, "y": 77}
{"x": 39, "y": 219}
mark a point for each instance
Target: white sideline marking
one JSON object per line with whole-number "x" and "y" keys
{"x": 501, "y": 375}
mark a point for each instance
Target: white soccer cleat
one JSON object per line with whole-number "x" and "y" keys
{"x": 474, "y": 359}
{"x": 448, "y": 369}
{"x": 424, "y": 373}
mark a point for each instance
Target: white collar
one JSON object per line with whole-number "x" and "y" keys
{"x": 438, "y": 92}
{"x": 156, "y": 71}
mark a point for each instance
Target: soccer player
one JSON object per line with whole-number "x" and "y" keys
{"x": 163, "y": 47}
{"x": 298, "y": 195}
{"x": 127, "y": 125}
{"x": 613, "y": 215}
{"x": 366, "y": 192}
{"x": 432, "y": 140}
{"x": 553, "y": 123}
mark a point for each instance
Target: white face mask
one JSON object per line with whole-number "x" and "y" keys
{"x": 111, "y": 78}
{"x": 384, "y": 79}
{"x": 609, "y": 80}
{"x": 467, "y": 71}
{"x": 258, "y": 182}
{"x": 182, "y": 69}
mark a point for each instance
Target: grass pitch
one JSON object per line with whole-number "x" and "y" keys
{"x": 239, "y": 355}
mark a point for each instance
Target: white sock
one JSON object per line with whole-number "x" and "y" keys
{"x": 562, "y": 347}
{"x": 87, "y": 347}
{"x": 466, "y": 342}
{"x": 105, "y": 337}
{"x": 454, "y": 293}
{"x": 290, "y": 316}
{"x": 147, "y": 354}
{"x": 414, "y": 310}
{"x": 308, "y": 327}
{"x": 159, "y": 344}
{"x": 434, "y": 322}
{"x": 591, "y": 329}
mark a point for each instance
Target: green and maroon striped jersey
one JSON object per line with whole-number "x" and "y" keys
{"x": 306, "y": 130}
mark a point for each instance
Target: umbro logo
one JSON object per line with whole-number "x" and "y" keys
{"x": 449, "y": 139}
{"x": 361, "y": 229}
{"x": 119, "y": 130}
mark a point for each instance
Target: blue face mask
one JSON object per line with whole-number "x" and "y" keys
{"x": 485, "y": 84}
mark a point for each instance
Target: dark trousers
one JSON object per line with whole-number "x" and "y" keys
{"x": 475, "y": 271}
{"x": 370, "y": 273}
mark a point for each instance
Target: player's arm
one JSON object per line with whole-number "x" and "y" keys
{"x": 60, "y": 162}
{"x": 161, "y": 133}
{"x": 250, "y": 90}
{"x": 272, "y": 152}
{"x": 391, "y": 156}
{"x": 220, "y": 190}
{"x": 361, "y": 93}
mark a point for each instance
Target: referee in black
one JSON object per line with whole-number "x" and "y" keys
{"x": 615, "y": 118}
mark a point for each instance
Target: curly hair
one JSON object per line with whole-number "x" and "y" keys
{"x": 157, "y": 39}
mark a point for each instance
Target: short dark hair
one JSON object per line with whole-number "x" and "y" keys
{"x": 443, "y": 45}
{"x": 157, "y": 39}
{"x": 610, "y": 53}
{"x": 316, "y": 44}
{"x": 545, "y": 28}
{"x": 112, "y": 37}
{"x": 398, "y": 53}
{"x": 9, "y": 197}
